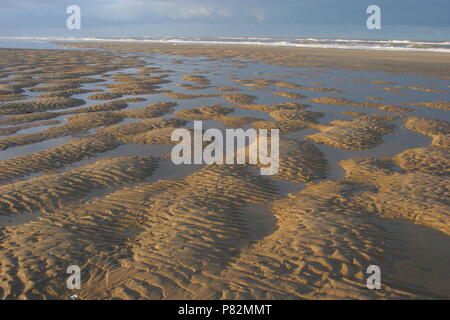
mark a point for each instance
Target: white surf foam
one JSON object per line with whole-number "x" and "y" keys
{"x": 356, "y": 44}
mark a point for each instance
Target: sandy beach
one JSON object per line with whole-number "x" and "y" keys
{"x": 86, "y": 176}
{"x": 389, "y": 61}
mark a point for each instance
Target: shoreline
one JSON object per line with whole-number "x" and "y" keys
{"x": 426, "y": 63}
{"x": 87, "y": 176}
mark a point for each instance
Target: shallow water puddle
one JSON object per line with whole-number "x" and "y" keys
{"x": 14, "y": 152}
{"x": 421, "y": 258}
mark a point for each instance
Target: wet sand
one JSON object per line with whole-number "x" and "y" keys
{"x": 86, "y": 177}
{"x": 389, "y": 61}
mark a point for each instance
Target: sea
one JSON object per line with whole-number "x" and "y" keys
{"x": 356, "y": 44}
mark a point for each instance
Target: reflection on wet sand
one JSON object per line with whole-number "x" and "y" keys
{"x": 86, "y": 177}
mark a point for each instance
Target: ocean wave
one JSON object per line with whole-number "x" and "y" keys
{"x": 356, "y": 44}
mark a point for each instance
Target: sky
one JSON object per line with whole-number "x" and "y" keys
{"x": 400, "y": 19}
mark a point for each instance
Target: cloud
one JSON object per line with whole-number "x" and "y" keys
{"x": 239, "y": 17}
{"x": 159, "y": 11}
{"x": 259, "y": 15}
